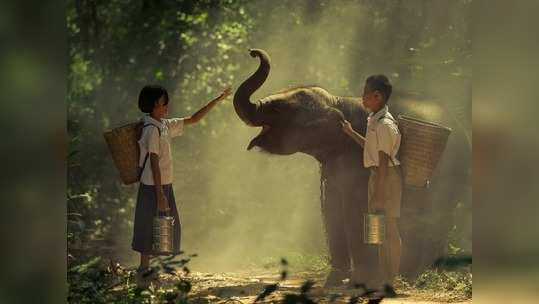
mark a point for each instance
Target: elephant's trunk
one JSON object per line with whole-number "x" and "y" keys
{"x": 246, "y": 110}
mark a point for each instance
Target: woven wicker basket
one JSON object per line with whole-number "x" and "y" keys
{"x": 422, "y": 146}
{"x": 123, "y": 146}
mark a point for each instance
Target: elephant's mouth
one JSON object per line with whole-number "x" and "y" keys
{"x": 258, "y": 139}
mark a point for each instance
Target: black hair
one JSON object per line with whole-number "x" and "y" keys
{"x": 379, "y": 83}
{"x": 149, "y": 95}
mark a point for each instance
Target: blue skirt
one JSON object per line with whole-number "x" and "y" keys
{"x": 145, "y": 210}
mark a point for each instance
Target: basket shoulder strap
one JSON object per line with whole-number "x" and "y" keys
{"x": 141, "y": 169}
{"x": 147, "y": 153}
{"x": 395, "y": 121}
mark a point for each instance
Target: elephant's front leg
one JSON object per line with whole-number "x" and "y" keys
{"x": 332, "y": 213}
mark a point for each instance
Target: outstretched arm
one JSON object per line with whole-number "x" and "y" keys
{"x": 347, "y": 128}
{"x": 205, "y": 109}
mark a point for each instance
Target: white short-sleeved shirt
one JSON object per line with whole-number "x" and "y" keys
{"x": 151, "y": 142}
{"x": 382, "y": 135}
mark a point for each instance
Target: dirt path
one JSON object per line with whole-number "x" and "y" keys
{"x": 238, "y": 288}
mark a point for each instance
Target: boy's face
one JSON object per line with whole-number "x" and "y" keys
{"x": 160, "y": 109}
{"x": 372, "y": 99}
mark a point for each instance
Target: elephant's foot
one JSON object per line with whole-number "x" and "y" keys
{"x": 362, "y": 280}
{"x": 335, "y": 278}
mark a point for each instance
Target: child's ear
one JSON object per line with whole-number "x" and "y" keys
{"x": 378, "y": 96}
{"x": 381, "y": 98}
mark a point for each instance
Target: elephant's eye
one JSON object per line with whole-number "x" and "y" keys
{"x": 276, "y": 110}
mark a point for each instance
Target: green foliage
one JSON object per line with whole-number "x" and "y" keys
{"x": 88, "y": 282}
{"x": 95, "y": 282}
{"x": 456, "y": 283}
{"x": 115, "y": 48}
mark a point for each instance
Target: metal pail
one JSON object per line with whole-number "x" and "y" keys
{"x": 374, "y": 228}
{"x": 163, "y": 237}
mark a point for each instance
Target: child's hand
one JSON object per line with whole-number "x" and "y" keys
{"x": 377, "y": 202}
{"x": 162, "y": 204}
{"x": 347, "y": 127}
{"x": 225, "y": 93}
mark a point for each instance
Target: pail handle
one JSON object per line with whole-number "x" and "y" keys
{"x": 162, "y": 213}
{"x": 378, "y": 212}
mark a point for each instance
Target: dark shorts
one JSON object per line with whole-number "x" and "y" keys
{"x": 145, "y": 211}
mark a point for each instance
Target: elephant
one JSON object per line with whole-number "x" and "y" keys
{"x": 307, "y": 119}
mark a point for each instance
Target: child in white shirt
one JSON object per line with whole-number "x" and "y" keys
{"x": 155, "y": 192}
{"x": 380, "y": 147}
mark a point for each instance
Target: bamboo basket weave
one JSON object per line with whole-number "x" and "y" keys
{"x": 422, "y": 146}
{"x": 123, "y": 146}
